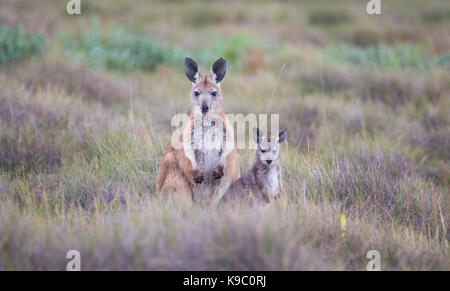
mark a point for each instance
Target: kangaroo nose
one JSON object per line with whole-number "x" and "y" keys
{"x": 205, "y": 108}
{"x": 269, "y": 161}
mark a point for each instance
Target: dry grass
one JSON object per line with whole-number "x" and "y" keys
{"x": 79, "y": 148}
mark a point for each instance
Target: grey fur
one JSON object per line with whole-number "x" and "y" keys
{"x": 263, "y": 181}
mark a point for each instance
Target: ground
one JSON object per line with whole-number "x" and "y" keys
{"x": 86, "y": 103}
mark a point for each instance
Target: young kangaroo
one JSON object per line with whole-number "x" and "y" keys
{"x": 263, "y": 181}
{"x": 207, "y": 163}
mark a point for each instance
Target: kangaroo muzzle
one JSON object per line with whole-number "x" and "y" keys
{"x": 205, "y": 108}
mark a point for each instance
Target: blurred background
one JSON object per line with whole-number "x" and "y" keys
{"x": 86, "y": 102}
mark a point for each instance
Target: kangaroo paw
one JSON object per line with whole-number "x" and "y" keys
{"x": 198, "y": 176}
{"x": 218, "y": 172}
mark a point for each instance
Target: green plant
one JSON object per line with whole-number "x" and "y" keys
{"x": 436, "y": 15}
{"x": 381, "y": 55}
{"x": 325, "y": 17}
{"x": 232, "y": 46}
{"x": 16, "y": 43}
{"x": 121, "y": 50}
{"x": 441, "y": 60}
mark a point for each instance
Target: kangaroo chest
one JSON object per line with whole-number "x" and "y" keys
{"x": 208, "y": 138}
{"x": 271, "y": 181}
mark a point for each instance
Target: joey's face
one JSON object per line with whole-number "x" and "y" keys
{"x": 268, "y": 150}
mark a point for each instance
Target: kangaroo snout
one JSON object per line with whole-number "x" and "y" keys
{"x": 205, "y": 108}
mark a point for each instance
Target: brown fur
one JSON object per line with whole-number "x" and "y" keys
{"x": 179, "y": 170}
{"x": 175, "y": 173}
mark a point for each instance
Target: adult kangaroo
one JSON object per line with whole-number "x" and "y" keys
{"x": 206, "y": 163}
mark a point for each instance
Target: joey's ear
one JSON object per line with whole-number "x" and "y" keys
{"x": 219, "y": 68}
{"x": 191, "y": 69}
{"x": 257, "y": 134}
{"x": 282, "y": 135}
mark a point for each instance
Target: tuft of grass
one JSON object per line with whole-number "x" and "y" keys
{"x": 124, "y": 51}
{"x": 203, "y": 15}
{"x": 329, "y": 17}
{"x": 16, "y": 44}
{"x": 39, "y": 129}
{"x": 436, "y": 15}
{"x": 387, "y": 86}
{"x": 381, "y": 55}
{"x": 234, "y": 45}
{"x": 155, "y": 235}
{"x": 441, "y": 60}
{"x": 374, "y": 185}
{"x": 79, "y": 148}
{"x": 121, "y": 50}
{"x": 73, "y": 79}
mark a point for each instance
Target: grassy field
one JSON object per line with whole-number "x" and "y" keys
{"x": 85, "y": 109}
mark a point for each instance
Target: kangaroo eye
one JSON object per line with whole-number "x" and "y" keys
{"x": 196, "y": 93}
{"x": 263, "y": 151}
{"x": 214, "y": 94}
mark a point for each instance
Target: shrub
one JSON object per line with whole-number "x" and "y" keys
{"x": 325, "y": 17}
{"x": 232, "y": 47}
{"x": 75, "y": 80}
{"x": 16, "y": 43}
{"x": 39, "y": 129}
{"x": 390, "y": 87}
{"x": 236, "y": 48}
{"x": 365, "y": 37}
{"x": 436, "y": 15}
{"x": 121, "y": 50}
{"x": 203, "y": 15}
{"x": 441, "y": 60}
{"x": 380, "y": 55}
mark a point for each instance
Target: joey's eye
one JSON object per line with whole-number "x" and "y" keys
{"x": 214, "y": 94}
{"x": 196, "y": 93}
{"x": 263, "y": 151}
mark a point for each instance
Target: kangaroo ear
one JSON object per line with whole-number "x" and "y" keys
{"x": 219, "y": 68}
{"x": 191, "y": 69}
{"x": 282, "y": 135}
{"x": 257, "y": 134}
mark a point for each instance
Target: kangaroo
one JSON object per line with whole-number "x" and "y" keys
{"x": 207, "y": 163}
{"x": 263, "y": 181}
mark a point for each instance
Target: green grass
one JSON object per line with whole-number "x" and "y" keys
{"x": 17, "y": 43}
{"x": 328, "y": 17}
{"x": 405, "y": 56}
{"x": 121, "y": 50}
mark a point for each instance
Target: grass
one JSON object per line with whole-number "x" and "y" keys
{"x": 279, "y": 237}
{"x": 326, "y": 17}
{"x": 121, "y": 50}
{"x": 405, "y": 56}
{"x": 83, "y": 126}
{"x": 16, "y": 44}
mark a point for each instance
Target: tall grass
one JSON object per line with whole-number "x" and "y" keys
{"x": 329, "y": 17}
{"x": 381, "y": 55}
{"x": 157, "y": 235}
{"x": 121, "y": 50}
{"x": 16, "y": 43}
{"x": 368, "y": 138}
